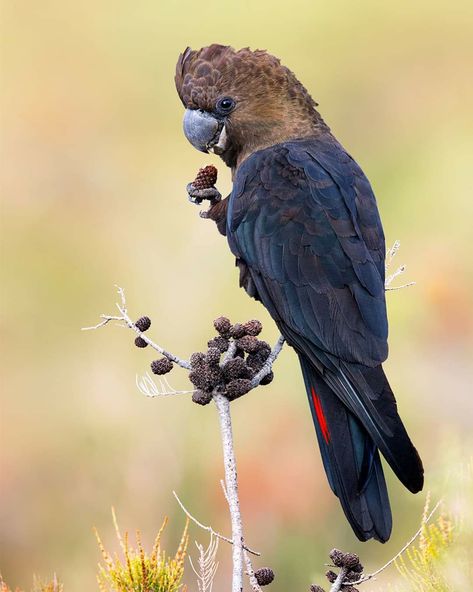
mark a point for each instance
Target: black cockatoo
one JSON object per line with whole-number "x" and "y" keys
{"x": 303, "y": 224}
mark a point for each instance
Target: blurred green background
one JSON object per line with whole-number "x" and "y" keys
{"x": 94, "y": 169}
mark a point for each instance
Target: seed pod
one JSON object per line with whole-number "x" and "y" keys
{"x": 248, "y": 344}
{"x": 206, "y": 177}
{"x": 222, "y": 325}
{"x": 267, "y": 379}
{"x": 337, "y": 557}
{"x": 352, "y": 561}
{"x": 257, "y": 360}
{"x": 352, "y": 576}
{"x": 264, "y": 576}
{"x": 201, "y": 397}
{"x": 143, "y": 323}
{"x": 221, "y": 343}
{"x": 140, "y": 342}
{"x": 315, "y": 588}
{"x": 205, "y": 378}
{"x": 264, "y": 347}
{"x": 237, "y": 331}
{"x": 331, "y": 576}
{"x": 197, "y": 359}
{"x": 238, "y": 387}
{"x": 235, "y": 368}
{"x": 162, "y": 366}
{"x": 239, "y": 353}
{"x": 213, "y": 356}
{"x": 253, "y": 327}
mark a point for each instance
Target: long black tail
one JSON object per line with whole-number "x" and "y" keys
{"x": 349, "y": 445}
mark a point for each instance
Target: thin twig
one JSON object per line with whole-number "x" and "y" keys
{"x": 406, "y": 546}
{"x": 148, "y": 387}
{"x": 392, "y": 252}
{"x": 408, "y": 285}
{"x": 207, "y": 564}
{"x": 106, "y": 320}
{"x": 251, "y": 573}
{"x": 267, "y": 367}
{"x": 337, "y": 585}
{"x": 127, "y": 320}
{"x": 231, "y": 486}
{"x": 209, "y": 528}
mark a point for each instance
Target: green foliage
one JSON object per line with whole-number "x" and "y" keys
{"x": 421, "y": 565}
{"x": 138, "y": 571}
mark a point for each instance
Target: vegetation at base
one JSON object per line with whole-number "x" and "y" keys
{"x": 138, "y": 571}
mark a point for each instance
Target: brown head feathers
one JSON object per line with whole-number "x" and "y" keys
{"x": 270, "y": 105}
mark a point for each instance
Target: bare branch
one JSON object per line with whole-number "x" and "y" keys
{"x": 209, "y": 528}
{"x": 337, "y": 585}
{"x": 251, "y": 573}
{"x": 268, "y": 365}
{"x": 392, "y": 252}
{"x": 129, "y": 323}
{"x": 148, "y": 387}
{"x": 207, "y": 564}
{"x": 106, "y": 320}
{"x": 406, "y": 546}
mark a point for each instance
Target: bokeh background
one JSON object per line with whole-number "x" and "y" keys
{"x": 94, "y": 169}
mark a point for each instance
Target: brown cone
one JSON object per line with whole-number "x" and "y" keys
{"x": 206, "y": 177}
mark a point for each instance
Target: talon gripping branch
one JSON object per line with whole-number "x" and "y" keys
{"x": 303, "y": 224}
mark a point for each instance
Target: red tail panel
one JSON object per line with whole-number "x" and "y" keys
{"x": 320, "y": 416}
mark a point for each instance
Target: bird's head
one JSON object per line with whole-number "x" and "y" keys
{"x": 241, "y": 101}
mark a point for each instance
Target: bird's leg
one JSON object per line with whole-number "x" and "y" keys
{"x": 218, "y": 213}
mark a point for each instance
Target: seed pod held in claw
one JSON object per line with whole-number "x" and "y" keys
{"x": 206, "y": 177}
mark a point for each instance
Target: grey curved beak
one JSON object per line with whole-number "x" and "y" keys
{"x": 201, "y": 129}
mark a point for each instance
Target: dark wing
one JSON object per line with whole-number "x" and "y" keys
{"x": 303, "y": 222}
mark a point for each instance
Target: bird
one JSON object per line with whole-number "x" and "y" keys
{"x": 303, "y": 224}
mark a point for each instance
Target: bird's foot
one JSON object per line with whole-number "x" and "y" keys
{"x": 197, "y": 196}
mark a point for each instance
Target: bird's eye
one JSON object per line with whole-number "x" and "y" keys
{"x": 225, "y": 105}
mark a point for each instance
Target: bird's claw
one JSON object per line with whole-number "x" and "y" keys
{"x": 197, "y": 196}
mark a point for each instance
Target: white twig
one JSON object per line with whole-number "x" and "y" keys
{"x": 250, "y": 573}
{"x": 267, "y": 367}
{"x": 148, "y": 387}
{"x": 231, "y": 486}
{"x": 406, "y": 546}
{"x": 249, "y": 567}
{"x": 129, "y": 323}
{"x": 106, "y": 320}
{"x": 392, "y": 252}
{"x": 337, "y": 585}
{"x": 207, "y": 564}
{"x": 230, "y": 353}
{"x": 209, "y": 528}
